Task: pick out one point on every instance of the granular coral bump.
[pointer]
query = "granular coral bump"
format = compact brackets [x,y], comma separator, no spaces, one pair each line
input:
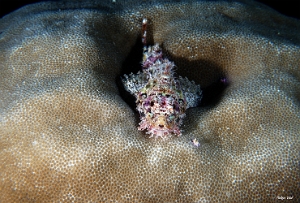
[160,98]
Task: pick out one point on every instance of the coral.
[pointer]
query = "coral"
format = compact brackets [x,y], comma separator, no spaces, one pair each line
[68,131]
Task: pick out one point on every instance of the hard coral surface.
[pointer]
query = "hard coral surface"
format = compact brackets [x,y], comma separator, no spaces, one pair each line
[67,134]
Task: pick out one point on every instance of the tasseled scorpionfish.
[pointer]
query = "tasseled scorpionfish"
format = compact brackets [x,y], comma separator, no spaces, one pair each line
[161,98]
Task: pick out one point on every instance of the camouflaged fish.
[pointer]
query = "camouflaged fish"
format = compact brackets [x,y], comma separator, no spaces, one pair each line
[161,98]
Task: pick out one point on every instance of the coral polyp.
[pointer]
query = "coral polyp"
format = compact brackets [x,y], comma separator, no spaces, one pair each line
[161,98]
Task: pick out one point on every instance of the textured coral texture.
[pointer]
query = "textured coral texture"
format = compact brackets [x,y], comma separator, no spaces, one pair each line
[68,133]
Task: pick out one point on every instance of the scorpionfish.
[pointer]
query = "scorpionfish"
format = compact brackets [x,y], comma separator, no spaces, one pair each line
[161,98]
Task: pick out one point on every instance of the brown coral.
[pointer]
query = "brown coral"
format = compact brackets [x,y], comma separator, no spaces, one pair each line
[66,133]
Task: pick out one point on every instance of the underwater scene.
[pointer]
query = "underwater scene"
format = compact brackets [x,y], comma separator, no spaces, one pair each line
[149,101]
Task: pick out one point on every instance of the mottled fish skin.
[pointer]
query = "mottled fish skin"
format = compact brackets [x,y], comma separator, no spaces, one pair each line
[162,99]
[191,91]
[133,83]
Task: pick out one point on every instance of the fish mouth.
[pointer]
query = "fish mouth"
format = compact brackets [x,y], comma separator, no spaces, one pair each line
[160,132]
[158,126]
